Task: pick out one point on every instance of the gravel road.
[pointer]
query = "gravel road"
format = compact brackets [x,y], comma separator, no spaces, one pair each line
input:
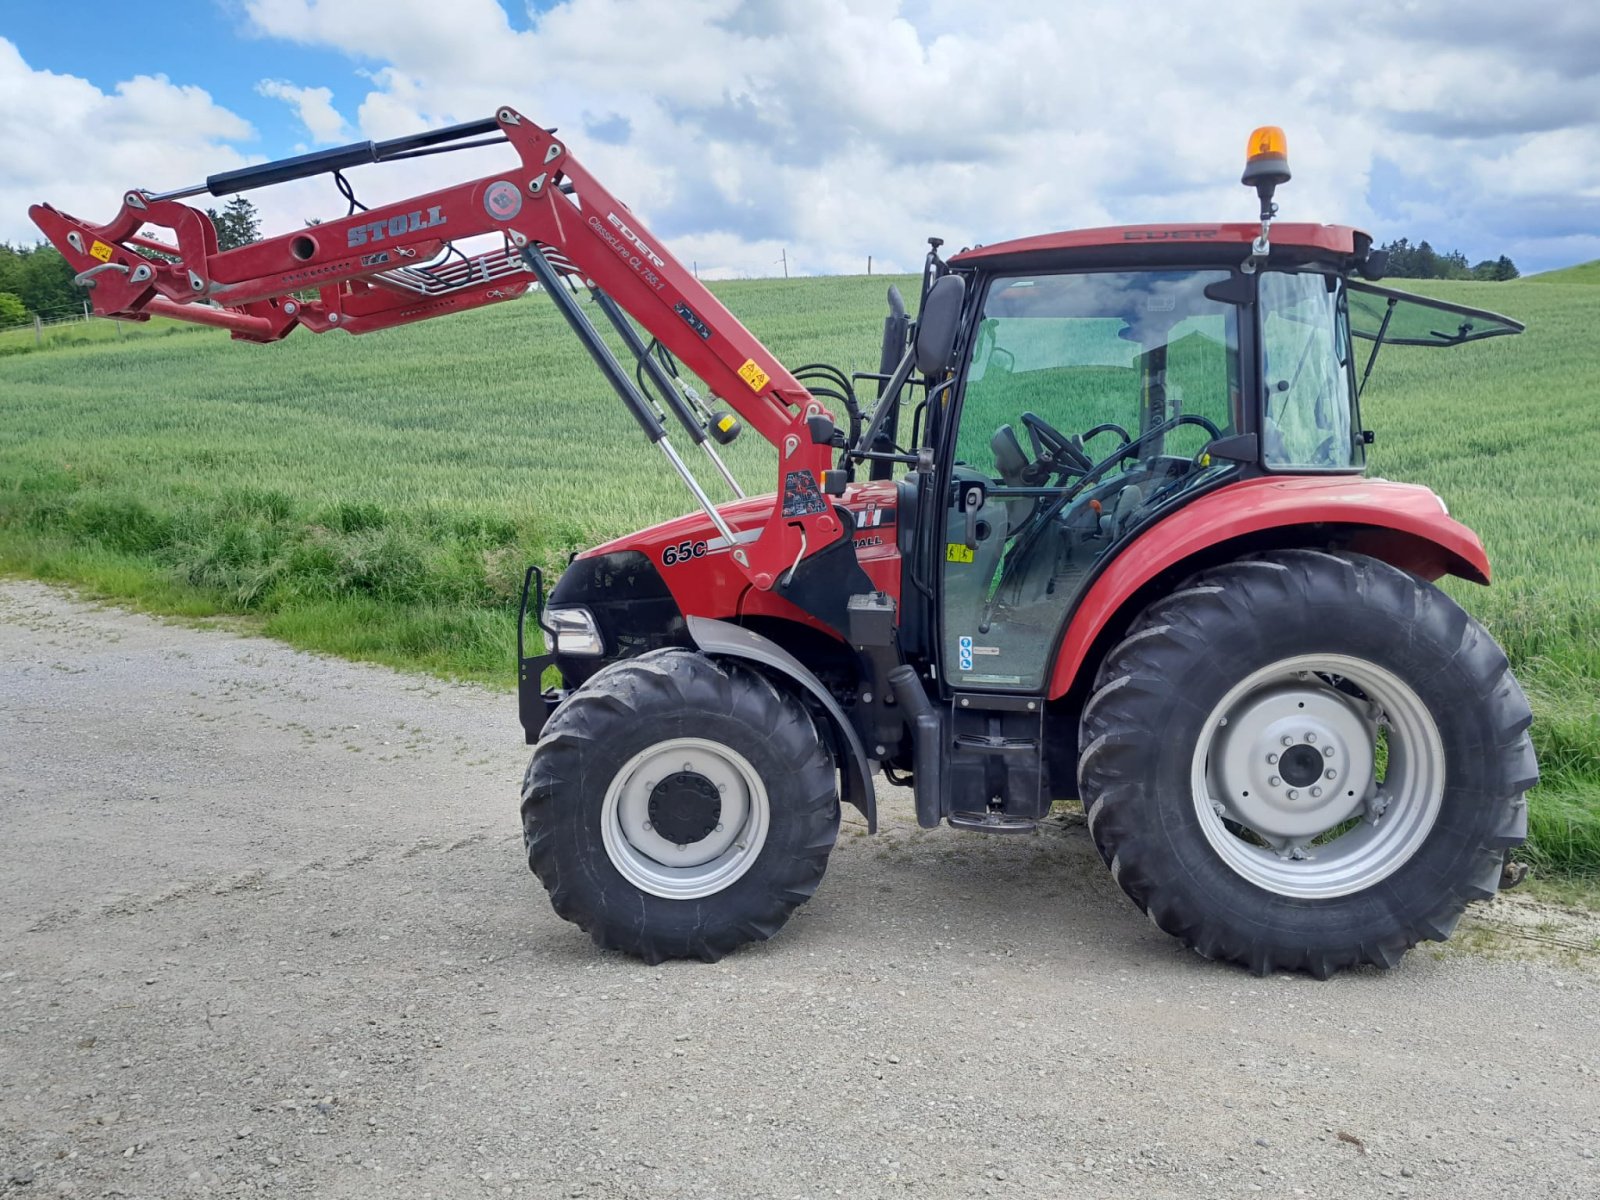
[267,929]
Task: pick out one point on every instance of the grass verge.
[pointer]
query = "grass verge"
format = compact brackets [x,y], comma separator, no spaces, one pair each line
[431,591]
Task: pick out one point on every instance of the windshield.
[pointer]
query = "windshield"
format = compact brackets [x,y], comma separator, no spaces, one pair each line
[1308,387]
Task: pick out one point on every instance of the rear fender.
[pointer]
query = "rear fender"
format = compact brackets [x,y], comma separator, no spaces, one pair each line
[1400,523]
[721,639]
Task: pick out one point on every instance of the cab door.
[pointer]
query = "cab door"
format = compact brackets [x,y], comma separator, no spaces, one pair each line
[1089,402]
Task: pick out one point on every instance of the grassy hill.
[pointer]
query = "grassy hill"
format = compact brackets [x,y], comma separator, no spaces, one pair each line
[377,497]
[1588,272]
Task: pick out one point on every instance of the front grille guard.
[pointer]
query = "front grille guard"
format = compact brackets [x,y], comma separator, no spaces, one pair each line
[534,703]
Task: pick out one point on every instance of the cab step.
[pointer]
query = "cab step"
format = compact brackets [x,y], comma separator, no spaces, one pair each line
[979,743]
[991,822]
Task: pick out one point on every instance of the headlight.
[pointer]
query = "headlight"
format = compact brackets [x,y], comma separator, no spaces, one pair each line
[573,631]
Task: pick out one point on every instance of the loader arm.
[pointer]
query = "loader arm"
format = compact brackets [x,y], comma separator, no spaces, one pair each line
[379,268]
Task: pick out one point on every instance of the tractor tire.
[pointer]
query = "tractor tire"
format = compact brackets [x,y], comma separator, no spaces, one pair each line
[678,807]
[1306,761]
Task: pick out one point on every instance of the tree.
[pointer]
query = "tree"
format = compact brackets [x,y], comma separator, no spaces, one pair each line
[1499,269]
[1424,262]
[1421,261]
[40,278]
[12,310]
[238,224]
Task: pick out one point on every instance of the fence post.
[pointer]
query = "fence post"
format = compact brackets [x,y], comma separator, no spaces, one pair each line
[38,331]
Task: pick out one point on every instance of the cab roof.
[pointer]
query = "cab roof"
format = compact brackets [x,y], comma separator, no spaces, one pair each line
[1139,241]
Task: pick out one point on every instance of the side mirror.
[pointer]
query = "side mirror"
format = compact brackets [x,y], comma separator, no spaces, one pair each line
[937,322]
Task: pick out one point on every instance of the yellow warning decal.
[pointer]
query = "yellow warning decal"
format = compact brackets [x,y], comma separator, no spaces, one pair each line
[101,251]
[956,552]
[725,424]
[753,375]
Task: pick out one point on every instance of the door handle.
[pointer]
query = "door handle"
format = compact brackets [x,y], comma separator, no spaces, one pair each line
[972,501]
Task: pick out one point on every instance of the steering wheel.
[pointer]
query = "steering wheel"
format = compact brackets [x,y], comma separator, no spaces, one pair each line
[1053,449]
[1020,553]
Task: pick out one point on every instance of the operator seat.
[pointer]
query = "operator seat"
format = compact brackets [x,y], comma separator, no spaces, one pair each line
[1010,461]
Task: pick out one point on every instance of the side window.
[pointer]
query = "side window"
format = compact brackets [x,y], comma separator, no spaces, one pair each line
[1308,390]
[1073,371]
[1127,349]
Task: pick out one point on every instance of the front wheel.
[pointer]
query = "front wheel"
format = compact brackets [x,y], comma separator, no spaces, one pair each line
[677,807]
[1306,761]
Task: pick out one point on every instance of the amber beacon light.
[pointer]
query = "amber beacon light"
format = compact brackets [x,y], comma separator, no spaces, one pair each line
[1266,158]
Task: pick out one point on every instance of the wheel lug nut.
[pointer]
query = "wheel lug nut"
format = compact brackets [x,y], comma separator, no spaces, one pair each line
[1330,774]
[1327,752]
[1272,758]
[1311,737]
[1315,792]
[1293,795]
[1274,781]
[1287,740]
[719,826]
[647,825]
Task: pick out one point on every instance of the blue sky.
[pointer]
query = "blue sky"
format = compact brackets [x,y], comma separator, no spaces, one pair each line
[834,129]
[191,42]
[212,44]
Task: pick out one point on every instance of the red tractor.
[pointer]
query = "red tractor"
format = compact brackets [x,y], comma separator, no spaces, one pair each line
[1104,532]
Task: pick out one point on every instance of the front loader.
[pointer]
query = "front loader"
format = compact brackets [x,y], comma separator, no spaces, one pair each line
[1102,531]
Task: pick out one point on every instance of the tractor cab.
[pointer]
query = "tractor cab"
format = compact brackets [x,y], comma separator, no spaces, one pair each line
[1108,377]
[1101,379]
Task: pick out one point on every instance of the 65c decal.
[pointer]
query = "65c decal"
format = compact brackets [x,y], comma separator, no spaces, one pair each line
[682,553]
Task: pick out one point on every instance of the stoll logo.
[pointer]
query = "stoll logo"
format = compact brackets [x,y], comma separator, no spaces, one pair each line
[633,237]
[395,227]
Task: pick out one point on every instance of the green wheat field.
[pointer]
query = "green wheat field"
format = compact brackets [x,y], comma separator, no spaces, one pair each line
[378,497]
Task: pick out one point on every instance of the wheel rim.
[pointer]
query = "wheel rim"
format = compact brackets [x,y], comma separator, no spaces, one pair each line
[692,789]
[1318,776]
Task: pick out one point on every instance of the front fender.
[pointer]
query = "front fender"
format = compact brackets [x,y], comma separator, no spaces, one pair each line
[1401,523]
[722,639]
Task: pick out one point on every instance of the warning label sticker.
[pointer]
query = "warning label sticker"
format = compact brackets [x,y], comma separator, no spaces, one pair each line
[801,495]
[753,375]
[101,251]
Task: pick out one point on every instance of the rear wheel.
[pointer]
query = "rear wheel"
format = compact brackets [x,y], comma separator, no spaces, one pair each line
[677,807]
[1306,761]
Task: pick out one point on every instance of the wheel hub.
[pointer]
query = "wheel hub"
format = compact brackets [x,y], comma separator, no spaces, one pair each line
[1300,765]
[685,807]
[1294,760]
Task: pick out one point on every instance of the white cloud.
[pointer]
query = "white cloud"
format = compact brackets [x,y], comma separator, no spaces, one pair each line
[69,144]
[313,105]
[842,128]
[836,129]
